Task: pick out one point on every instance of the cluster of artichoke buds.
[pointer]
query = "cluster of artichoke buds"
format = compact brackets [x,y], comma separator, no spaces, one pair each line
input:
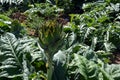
[51,37]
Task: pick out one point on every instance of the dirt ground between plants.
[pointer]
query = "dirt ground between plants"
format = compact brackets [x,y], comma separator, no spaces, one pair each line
[116,58]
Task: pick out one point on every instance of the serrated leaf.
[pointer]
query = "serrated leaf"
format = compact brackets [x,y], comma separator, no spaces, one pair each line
[12,51]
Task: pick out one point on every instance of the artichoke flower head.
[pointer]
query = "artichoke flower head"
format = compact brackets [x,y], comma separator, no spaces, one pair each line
[51,36]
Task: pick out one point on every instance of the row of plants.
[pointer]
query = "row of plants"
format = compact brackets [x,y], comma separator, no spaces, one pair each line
[39,43]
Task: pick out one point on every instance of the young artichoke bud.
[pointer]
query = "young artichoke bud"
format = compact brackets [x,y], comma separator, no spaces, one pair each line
[51,37]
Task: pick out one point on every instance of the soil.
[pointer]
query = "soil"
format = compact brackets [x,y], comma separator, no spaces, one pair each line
[116,58]
[18,16]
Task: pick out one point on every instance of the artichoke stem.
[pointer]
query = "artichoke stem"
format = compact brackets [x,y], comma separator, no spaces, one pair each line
[50,69]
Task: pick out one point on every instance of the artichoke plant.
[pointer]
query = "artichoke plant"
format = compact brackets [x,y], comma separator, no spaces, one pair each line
[51,38]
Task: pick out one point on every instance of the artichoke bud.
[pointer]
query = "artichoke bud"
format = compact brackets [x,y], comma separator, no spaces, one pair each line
[51,36]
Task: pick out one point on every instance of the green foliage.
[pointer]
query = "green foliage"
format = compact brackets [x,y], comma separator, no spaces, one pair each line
[4,24]
[88,70]
[69,5]
[16,56]
[44,10]
[38,76]
[80,50]
[97,21]
[17,29]
[9,25]
[5,18]
[59,66]
[11,1]
[65,4]
[13,57]
[14,1]
[112,1]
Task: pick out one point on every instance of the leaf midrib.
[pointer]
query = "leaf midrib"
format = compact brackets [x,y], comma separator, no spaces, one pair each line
[13,51]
